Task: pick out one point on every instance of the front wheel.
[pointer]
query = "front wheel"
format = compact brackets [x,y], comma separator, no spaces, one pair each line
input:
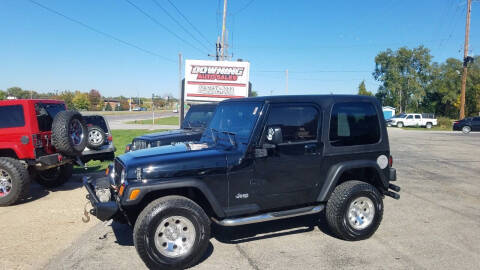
[56,176]
[354,210]
[172,232]
[400,124]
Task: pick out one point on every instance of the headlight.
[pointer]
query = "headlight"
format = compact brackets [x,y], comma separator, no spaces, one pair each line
[122,177]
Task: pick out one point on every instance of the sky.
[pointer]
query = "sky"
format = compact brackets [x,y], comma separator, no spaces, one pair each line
[131,47]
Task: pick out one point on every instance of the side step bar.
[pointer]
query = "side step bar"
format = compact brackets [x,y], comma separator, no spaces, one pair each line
[270,216]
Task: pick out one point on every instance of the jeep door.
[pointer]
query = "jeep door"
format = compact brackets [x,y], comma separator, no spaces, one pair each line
[476,124]
[287,174]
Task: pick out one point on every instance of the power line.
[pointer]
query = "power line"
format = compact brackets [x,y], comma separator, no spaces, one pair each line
[163,26]
[314,71]
[243,8]
[188,21]
[179,24]
[91,28]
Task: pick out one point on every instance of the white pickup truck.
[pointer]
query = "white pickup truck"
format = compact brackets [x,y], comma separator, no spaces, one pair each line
[413,120]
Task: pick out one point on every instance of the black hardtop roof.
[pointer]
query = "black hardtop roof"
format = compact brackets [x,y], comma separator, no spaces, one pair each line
[204,105]
[321,99]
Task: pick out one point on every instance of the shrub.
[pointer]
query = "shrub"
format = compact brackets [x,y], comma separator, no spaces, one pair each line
[444,122]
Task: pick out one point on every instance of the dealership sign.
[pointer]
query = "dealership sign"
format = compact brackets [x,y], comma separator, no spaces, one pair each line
[216,80]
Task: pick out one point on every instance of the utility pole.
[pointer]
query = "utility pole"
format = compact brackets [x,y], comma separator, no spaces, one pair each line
[465,62]
[223,29]
[153,112]
[182,98]
[286,81]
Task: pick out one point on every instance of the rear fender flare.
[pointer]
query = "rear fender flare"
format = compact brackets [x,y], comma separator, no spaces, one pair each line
[336,171]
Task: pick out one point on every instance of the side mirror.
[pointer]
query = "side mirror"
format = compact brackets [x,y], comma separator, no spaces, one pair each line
[274,135]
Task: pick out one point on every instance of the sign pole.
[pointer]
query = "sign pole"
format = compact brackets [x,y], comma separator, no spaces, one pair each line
[182,98]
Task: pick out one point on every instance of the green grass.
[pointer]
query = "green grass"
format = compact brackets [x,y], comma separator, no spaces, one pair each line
[121,138]
[172,120]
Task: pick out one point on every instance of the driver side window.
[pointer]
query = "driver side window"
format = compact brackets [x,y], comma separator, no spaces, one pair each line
[297,122]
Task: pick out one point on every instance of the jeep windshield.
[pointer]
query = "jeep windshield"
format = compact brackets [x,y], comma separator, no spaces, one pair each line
[198,117]
[232,123]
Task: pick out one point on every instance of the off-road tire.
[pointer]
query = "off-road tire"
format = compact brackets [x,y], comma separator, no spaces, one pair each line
[61,138]
[466,129]
[20,180]
[59,176]
[150,218]
[400,124]
[339,202]
[92,144]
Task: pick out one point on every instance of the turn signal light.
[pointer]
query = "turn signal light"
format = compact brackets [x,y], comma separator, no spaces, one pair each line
[122,189]
[134,194]
[390,161]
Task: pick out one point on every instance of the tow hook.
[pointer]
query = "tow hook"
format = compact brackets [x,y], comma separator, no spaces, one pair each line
[86,217]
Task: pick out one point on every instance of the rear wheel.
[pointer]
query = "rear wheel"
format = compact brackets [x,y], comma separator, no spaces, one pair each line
[354,210]
[171,233]
[14,181]
[55,177]
[466,129]
[429,125]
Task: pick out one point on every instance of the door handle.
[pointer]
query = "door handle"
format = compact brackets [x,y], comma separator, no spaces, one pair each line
[311,148]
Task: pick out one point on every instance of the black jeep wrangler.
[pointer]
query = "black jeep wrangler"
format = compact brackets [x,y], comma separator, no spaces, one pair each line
[260,159]
[197,119]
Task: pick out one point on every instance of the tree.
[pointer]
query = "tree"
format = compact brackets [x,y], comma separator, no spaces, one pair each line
[108,107]
[124,105]
[253,93]
[404,75]
[95,98]
[362,90]
[67,97]
[3,95]
[80,101]
[18,93]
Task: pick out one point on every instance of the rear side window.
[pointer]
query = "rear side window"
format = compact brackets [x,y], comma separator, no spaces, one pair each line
[417,116]
[298,122]
[354,123]
[11,116]
[96,120]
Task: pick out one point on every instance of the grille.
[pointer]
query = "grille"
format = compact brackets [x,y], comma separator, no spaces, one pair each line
[118,171]
[139,144]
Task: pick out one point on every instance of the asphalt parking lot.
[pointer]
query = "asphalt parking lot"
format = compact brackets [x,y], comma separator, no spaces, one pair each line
[435,224]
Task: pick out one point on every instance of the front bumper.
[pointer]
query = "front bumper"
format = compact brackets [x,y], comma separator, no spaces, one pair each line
[102,210]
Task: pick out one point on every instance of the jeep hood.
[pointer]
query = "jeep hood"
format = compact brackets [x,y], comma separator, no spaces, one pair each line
[181,159]
[170,134]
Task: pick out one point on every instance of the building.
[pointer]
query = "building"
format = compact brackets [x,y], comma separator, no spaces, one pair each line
[388,112]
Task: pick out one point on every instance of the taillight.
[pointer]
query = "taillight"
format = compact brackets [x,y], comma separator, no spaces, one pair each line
[110,138]
[390,161]
[37,140]
[456,122]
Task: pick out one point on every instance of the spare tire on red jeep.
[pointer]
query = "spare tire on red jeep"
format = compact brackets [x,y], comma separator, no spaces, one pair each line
[69,133]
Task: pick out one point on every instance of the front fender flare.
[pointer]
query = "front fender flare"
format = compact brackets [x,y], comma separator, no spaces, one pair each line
[338,169]
[146,188]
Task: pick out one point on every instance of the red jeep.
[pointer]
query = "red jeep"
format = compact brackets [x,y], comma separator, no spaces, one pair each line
[39,139]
